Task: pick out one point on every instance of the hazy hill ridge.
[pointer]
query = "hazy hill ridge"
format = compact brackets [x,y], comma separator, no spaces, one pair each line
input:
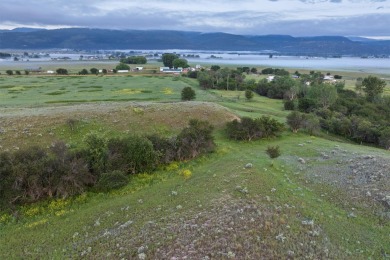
[100,39]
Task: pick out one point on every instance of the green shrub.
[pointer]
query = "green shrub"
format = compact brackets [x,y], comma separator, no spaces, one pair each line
[188,94]
[250,129]
[111,180]
[249,94]
[195,139]
[95,153]
[289,105]
[166,148]
[273,151]
[131,155]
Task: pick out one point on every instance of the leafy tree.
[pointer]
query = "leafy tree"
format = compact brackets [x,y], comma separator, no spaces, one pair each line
[192,74]
[384,139]
[180,63]
[311,123]
[249,94]
[62,71]
[324,95]
[289,104]
[254,70]
[373,87]
[17,72]
[339,86]
[9,72]
[306,104]
[205,80]
[26,72]
[94,71]
[249,84]
[359,85]
[281,72]
[268,71]
[83,72]
[122,66]
[215,67]
[104,71]
[188,94]
[168,58]
[295,121]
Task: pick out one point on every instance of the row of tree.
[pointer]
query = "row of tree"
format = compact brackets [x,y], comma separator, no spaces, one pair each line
[134,60]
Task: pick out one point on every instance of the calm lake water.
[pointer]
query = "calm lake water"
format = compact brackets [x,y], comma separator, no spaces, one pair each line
[369,65]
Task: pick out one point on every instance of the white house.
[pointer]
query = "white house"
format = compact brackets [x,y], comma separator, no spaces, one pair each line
[139,68]
[123,71]
[270,78]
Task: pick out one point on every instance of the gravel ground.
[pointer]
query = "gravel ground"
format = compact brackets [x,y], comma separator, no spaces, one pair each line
[362,178]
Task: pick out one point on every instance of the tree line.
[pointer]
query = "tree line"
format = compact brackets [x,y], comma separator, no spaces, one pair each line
[362,115]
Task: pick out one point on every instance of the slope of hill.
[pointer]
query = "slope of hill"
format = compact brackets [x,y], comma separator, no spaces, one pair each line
[320,199]
[83,38]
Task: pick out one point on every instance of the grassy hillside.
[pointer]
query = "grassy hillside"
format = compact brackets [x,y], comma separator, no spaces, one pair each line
[320,199]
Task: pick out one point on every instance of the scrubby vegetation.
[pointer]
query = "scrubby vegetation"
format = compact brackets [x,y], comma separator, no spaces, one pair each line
[251,129]
[35,173]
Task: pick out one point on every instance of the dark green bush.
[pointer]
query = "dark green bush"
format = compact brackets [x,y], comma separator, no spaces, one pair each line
[250,129]
[195,139]
[289,104]
[111,180]
[166,148]
[249,94]
[95,153]
[273,151]
[188,94]
[131,155]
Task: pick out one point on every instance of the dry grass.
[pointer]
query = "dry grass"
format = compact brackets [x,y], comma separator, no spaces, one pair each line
[22,127]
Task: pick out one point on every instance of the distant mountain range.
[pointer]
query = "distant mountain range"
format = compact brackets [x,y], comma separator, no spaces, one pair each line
[103,39]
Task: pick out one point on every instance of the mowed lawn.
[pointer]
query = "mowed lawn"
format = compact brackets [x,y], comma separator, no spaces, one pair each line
[40,90]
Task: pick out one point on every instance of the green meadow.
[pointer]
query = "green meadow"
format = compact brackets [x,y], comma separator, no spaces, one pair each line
[213,207]
[41,90]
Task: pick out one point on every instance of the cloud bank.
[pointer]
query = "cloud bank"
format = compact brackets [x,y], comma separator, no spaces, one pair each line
[294,17]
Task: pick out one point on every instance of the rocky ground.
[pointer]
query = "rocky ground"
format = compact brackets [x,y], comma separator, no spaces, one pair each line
[363,179]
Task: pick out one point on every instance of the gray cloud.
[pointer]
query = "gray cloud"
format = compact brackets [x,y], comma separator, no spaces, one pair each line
[295,17]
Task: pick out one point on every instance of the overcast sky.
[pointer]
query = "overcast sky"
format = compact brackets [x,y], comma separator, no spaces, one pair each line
[254,17]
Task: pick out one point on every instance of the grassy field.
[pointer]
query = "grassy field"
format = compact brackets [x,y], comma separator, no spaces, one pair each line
[277,209]
[40,90]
